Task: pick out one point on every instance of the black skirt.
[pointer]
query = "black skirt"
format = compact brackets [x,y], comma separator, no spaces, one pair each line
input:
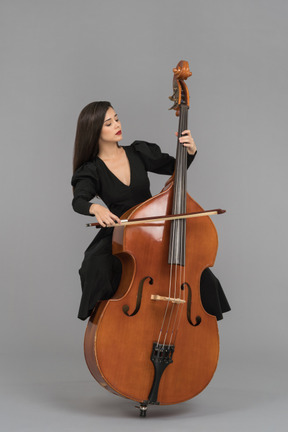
[100,275]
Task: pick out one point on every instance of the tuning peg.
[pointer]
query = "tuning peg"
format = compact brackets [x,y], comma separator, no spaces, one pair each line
[174,106]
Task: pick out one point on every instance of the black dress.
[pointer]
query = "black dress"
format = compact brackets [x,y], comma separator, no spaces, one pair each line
[100,272]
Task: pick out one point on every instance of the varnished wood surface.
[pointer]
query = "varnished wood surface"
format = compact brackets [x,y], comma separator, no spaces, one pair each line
[118,347]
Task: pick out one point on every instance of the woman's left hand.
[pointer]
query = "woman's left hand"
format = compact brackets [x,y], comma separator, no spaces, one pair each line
[187,141]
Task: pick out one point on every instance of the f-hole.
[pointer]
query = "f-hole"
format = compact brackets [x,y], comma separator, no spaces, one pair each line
[189,302]
[125,308]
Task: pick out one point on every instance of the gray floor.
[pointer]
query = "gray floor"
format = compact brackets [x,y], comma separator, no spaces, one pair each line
[55,392]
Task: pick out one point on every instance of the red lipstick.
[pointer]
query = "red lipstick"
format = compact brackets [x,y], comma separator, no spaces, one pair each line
[119,133]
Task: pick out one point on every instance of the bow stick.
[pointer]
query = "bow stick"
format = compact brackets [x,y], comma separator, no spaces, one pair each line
[139,221]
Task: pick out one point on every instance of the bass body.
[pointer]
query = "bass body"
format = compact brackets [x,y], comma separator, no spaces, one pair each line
[122,331]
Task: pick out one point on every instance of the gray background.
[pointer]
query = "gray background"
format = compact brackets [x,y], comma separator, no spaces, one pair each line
[56,57]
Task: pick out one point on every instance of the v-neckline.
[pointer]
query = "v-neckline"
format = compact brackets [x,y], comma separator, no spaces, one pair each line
[130,169]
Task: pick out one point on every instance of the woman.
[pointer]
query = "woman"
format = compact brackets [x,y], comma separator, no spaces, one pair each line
[118,175]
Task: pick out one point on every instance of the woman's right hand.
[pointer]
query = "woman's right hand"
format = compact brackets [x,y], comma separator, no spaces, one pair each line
[103,215]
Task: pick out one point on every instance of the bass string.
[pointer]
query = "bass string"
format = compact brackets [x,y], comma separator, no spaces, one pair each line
[177,278]
[167,318]
[182,276]
[181,228]
[180,308]
[168,302]
[172,290]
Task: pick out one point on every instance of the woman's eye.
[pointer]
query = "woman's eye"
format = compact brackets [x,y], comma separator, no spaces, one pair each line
[108,124]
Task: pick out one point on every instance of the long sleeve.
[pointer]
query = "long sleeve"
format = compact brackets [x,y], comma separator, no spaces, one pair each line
[85,184]
[156,161]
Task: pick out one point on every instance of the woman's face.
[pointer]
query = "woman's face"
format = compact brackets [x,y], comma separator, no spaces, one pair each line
[111,129]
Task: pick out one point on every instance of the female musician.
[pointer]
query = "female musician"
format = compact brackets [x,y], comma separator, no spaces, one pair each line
[118,175]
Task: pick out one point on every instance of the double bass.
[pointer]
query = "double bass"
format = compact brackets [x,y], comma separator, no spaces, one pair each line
[153,342]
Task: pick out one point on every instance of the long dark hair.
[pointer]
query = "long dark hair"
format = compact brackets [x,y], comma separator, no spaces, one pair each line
[88,131]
